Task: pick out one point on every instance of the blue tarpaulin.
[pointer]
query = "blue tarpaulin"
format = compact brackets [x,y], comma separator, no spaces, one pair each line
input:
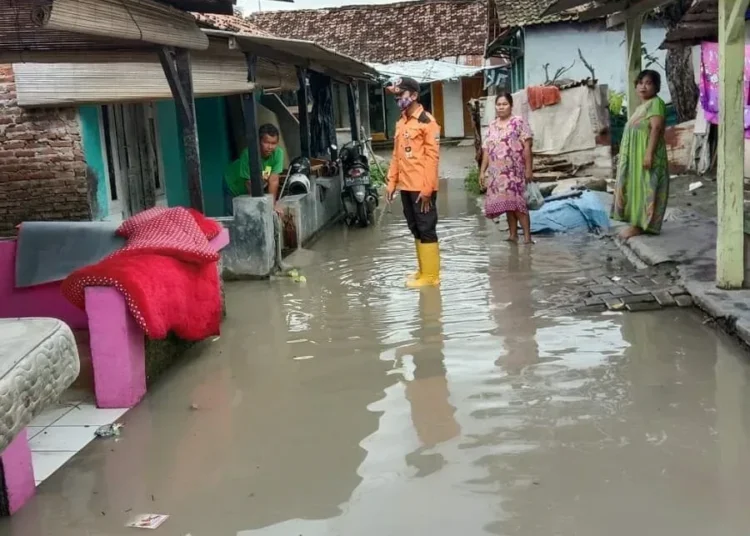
[585,212]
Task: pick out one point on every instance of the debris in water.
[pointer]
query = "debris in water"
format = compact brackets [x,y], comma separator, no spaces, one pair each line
[148,521]
[109,430]
[694,186]
[303,357]
[194,407]
[616,278]
[296,276]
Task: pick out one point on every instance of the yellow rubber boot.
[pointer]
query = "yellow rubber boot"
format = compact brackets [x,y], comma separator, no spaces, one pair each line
[418,273]
[429,254]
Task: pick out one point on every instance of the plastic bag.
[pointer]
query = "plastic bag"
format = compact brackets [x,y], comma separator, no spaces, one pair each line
[533,196]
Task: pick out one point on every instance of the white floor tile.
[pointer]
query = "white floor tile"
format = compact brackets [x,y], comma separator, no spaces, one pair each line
[67,438]
[46,463]
[33,431]
[50,415]
[89,415]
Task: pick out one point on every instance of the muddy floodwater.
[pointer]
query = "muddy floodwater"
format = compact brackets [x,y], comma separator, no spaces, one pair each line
[351,406]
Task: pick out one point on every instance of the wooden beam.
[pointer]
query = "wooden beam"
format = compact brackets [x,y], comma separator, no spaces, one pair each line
[176,65]
[730,265]
[563,5]
[633,44]
[352,91]
[250,112]
[302,113]
[603,10]
[635,9]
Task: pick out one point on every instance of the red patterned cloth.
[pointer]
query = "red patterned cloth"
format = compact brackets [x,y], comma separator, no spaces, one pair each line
[167,273]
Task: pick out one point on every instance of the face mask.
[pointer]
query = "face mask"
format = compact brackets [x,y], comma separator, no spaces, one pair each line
[404,103]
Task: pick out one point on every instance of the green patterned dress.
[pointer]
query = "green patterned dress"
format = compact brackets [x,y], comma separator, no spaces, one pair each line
[641,194]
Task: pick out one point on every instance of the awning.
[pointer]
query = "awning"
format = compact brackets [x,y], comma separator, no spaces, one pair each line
[426,71]
[300,53]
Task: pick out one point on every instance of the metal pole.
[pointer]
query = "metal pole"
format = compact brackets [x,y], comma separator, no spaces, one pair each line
[353,103]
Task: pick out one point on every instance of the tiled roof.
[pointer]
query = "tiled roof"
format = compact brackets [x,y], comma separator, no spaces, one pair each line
[521,13]
[229,23]
[386,33]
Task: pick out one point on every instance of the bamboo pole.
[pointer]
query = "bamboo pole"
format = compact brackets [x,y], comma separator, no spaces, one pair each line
[730,265]
[633,43]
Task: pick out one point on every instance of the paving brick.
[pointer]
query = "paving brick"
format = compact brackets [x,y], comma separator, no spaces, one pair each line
[677,291]
[684,301]
[640,298]
[592,308]
[664,298]
[661,281]
[637,307]
[600,289]
[596,300]
[619,292]
[636,290]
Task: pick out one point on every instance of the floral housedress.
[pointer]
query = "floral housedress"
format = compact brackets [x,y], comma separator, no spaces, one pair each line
[506,173]
[641,194]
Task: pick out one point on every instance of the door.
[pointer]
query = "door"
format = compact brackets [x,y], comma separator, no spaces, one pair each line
[437,105]
[136,173]
[471,88]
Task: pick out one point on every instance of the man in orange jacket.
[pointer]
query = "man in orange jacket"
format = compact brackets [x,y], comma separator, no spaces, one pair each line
[414,171]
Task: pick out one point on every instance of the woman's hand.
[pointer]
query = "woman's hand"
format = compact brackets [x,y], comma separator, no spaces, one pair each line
[647,162]
[529,174]
[483,181]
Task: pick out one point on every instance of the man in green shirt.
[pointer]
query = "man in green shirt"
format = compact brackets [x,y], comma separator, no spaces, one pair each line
[237,176]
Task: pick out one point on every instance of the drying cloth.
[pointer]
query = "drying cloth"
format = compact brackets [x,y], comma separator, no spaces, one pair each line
[585,213]
[541,96]
[167,273]
[51,251]
[709,84]
[566,127]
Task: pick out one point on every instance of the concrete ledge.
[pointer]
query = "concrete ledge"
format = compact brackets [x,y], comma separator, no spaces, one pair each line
[688,240]
[251,251]
[306,215]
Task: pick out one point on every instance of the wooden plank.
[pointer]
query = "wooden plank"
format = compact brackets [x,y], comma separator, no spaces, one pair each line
[135,189]
[353,104]
[303,115]
[603,10]
[730,265]
[177,69]
[634,62]
[147,156]
[250,112]
[637,9]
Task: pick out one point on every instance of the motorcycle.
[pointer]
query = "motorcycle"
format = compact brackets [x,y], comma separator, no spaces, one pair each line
[297,179]
[359,196]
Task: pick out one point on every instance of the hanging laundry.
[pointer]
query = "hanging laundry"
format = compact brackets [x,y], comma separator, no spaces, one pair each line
[709,84]
[541,96]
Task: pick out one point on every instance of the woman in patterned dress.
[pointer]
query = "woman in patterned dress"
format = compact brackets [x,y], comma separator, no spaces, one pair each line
[642,185]
[507,167]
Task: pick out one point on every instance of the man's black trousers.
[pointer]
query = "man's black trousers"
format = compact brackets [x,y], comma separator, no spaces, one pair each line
[423,225]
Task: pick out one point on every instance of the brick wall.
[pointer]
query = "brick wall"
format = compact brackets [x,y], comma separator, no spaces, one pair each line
[42,168]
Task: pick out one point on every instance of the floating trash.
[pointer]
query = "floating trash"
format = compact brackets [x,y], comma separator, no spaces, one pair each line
[109,430]
[147,521]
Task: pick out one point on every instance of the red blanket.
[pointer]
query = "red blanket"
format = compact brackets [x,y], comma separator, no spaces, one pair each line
[167,272]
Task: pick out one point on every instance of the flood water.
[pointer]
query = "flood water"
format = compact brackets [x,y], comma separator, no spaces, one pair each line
[350,405]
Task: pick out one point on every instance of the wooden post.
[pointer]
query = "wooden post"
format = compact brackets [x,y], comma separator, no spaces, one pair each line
[730,269]
[250,112]
[176,65]
[634,46]
[304,120]
[353,104]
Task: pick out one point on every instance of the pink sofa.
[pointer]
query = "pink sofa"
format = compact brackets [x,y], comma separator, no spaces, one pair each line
[117,342]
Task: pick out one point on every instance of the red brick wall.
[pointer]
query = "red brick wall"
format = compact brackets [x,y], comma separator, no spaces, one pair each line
[42,168]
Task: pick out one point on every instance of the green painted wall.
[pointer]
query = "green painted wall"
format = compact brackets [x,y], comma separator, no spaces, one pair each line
[172,155]
[93,152]
[213,143]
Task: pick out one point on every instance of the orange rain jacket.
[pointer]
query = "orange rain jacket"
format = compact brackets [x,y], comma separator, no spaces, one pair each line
[416,151]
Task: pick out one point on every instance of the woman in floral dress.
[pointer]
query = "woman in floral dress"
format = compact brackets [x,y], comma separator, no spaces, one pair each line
[507,167]
[642,186]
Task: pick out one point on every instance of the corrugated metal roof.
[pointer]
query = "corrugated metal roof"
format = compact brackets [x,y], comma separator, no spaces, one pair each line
[426,71]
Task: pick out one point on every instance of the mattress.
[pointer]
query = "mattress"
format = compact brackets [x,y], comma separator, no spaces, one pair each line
[38,361]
